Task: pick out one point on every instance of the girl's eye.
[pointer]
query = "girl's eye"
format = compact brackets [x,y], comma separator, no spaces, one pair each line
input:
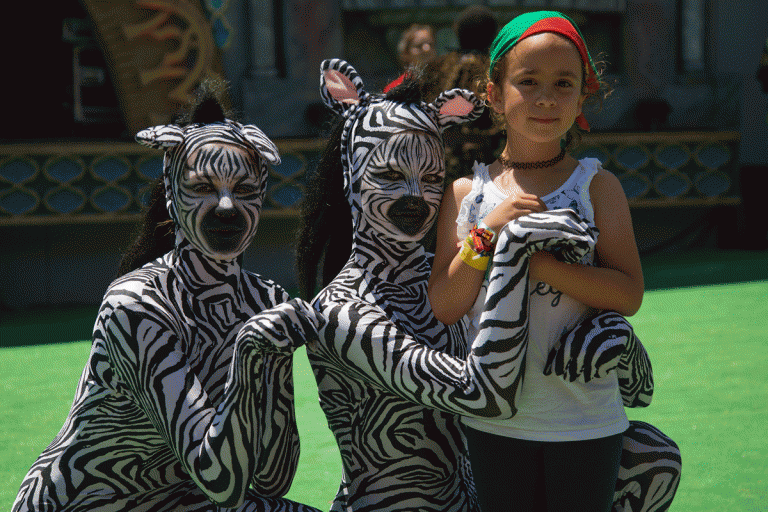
[245,189]
[390,175]
[432,179]
[202,188]
[564,83]
[527,81]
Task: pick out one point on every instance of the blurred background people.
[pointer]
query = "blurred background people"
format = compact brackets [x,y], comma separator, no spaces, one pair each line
[465,66]
[474,28]
[415,49]
[417,46]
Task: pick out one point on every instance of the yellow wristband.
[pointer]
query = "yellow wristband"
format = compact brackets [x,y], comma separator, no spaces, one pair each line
[471,258]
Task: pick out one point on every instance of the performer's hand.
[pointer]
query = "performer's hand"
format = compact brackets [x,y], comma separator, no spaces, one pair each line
[592,349]
[283,328]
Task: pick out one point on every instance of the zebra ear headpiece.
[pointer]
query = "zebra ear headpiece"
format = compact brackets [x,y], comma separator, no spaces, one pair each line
[179,142]
[343,91]
[370,119]
[341,87]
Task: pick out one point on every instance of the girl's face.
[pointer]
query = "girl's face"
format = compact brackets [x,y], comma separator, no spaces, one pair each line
[217,200]
[401,187]
[540,94]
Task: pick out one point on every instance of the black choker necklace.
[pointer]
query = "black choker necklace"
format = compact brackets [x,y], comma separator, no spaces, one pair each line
[532,165]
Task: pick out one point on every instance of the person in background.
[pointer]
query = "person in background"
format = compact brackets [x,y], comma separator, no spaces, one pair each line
[465,67]
[475,28]
[416,48]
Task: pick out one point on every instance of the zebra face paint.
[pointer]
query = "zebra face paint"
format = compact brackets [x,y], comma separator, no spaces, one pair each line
[213,163]
[217,200]
[401,186]
[400,209]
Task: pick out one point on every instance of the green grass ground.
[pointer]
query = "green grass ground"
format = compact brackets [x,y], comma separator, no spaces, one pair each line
[704,322]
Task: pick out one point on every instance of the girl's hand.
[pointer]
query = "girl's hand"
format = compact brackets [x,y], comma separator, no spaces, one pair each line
[615,282]
[513,207]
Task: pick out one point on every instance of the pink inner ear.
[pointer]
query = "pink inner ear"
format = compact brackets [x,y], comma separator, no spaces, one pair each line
[340,87]
[458,106]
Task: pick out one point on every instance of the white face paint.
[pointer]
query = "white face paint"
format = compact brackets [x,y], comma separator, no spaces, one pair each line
[402,186]
[217,200]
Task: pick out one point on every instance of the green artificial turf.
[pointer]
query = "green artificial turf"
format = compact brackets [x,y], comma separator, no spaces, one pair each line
[707,343]
[709,349]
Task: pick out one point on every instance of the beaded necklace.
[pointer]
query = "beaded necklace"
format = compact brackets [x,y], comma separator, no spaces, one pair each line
[508,164]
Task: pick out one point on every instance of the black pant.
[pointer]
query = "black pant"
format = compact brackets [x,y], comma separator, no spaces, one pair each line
[513,475]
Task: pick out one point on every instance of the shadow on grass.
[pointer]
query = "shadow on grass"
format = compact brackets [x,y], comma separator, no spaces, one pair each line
[41,325]
[702,267]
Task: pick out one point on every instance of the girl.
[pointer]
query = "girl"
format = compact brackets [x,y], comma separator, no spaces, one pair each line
[562,449]
[183,404]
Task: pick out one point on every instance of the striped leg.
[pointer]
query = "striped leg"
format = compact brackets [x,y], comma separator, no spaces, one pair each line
[650,470]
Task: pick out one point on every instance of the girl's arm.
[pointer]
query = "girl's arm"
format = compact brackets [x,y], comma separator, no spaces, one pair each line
[454,285]
[616,283]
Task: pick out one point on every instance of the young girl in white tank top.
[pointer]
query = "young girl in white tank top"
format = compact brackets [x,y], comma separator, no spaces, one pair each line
[561,450]
[550,408]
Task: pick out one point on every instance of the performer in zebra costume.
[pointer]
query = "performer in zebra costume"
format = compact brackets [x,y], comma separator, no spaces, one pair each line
[392,379]
[174,410]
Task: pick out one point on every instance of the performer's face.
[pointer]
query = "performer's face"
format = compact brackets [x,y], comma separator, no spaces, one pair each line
[217,200]
[402,185]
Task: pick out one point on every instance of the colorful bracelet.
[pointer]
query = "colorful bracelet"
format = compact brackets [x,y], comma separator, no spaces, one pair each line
[471,257]
[483,239]
[495,236]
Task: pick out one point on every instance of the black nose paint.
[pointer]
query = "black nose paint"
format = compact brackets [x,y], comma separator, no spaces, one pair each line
[224,230]
[408,214]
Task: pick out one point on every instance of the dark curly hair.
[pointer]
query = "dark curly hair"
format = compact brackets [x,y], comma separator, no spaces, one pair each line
[156,235]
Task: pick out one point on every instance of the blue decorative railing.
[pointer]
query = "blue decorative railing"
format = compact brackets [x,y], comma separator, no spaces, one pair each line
[670,169]
[51,183]
[98,182]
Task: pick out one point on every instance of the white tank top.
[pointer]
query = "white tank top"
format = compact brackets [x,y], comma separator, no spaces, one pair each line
[549,409]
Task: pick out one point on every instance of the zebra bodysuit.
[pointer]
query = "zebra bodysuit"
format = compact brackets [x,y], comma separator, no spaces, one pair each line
[174,410]
[392,379]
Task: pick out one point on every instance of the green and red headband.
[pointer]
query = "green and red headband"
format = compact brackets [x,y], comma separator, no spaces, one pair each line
[532,23]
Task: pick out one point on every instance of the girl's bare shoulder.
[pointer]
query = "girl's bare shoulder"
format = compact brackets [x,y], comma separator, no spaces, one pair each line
[460,188]
[605,184]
